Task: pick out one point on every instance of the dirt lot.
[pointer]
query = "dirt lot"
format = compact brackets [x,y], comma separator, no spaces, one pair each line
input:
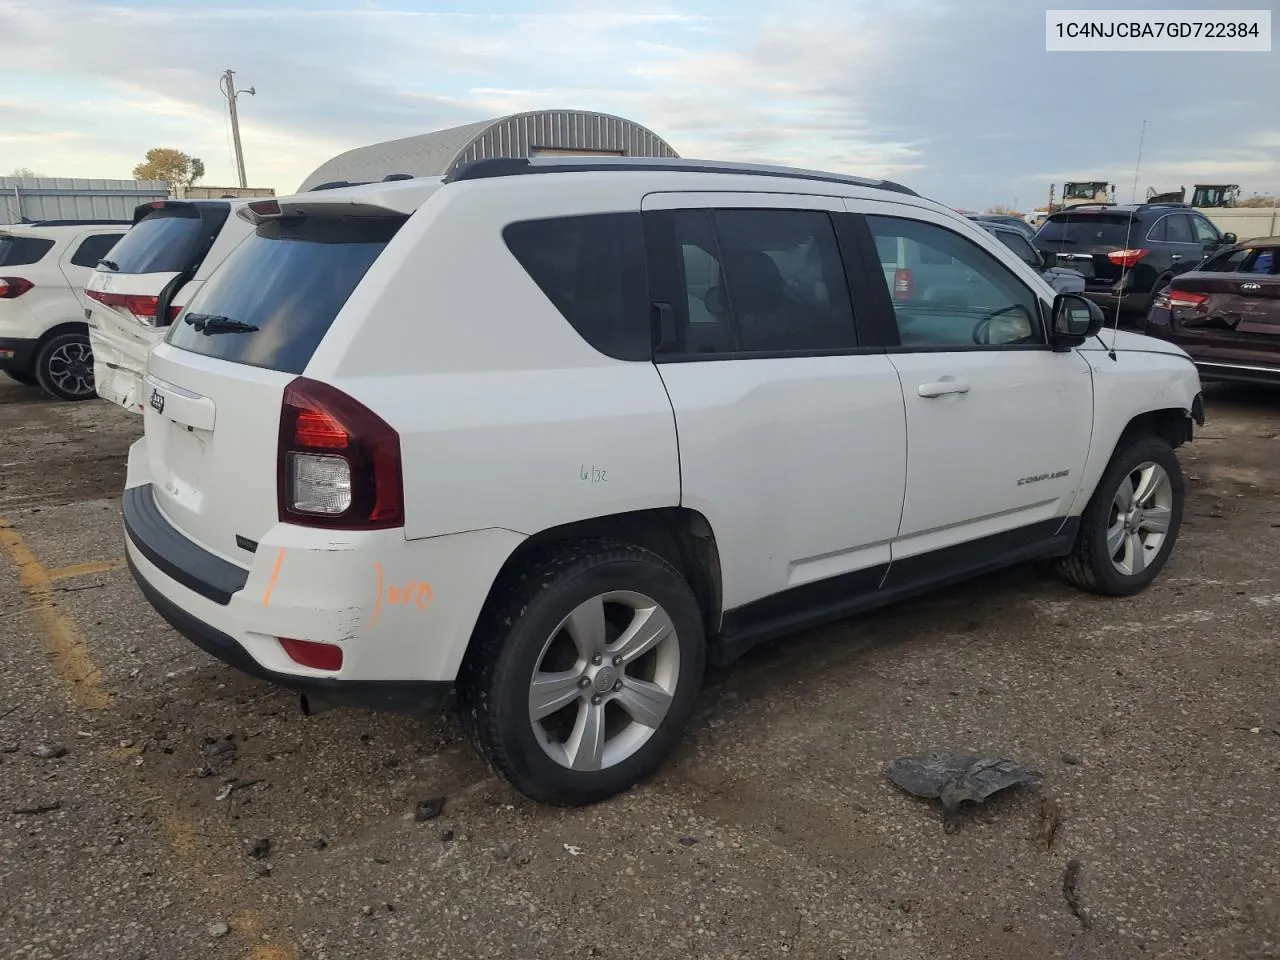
[1156,722]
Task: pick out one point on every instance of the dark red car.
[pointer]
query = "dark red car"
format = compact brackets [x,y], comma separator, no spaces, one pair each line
[1226,313]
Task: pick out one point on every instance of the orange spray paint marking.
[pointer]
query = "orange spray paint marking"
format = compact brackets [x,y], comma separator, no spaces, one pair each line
[414,593]
[275,575]
[377,603]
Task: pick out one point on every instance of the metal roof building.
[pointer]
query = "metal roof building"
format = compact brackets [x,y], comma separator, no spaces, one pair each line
[71,198]
[537,133]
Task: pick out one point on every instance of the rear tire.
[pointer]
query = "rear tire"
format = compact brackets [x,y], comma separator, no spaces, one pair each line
[64,367]
[1128,530]
[539,692]
[22,377]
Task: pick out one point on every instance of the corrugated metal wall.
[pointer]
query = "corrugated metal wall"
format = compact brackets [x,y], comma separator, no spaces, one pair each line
[66,198]
[523,134]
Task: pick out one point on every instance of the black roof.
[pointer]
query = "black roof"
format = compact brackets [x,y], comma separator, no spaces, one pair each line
[1119,208]
[519,166]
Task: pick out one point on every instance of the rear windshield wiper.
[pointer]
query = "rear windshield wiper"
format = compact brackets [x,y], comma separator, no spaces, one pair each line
[110,265]
[210,323]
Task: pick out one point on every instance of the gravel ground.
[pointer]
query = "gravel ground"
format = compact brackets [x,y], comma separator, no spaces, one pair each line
[1155,721]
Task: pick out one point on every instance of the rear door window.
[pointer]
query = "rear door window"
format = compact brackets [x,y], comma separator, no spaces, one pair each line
[274,298]
[172,239]
[20,251]
[761,281]
[1088,230]
[1178,229]
[94,249]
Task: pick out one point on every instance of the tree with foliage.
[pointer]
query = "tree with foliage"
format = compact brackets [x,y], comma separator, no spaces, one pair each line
[25,172]
[1260,200]
[172,166]
[1003,211]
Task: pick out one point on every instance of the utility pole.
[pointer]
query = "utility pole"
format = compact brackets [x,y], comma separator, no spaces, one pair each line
[227,84]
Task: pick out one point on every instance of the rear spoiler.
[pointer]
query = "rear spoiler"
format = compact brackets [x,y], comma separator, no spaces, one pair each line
[151,206]
[384,199]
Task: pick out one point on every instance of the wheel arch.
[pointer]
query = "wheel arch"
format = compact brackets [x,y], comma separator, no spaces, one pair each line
[67,326]
[681,536]
[1172,424]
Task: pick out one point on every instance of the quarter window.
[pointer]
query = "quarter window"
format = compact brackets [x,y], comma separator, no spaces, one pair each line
[949,292]
[760,281]
[592,268]
[94,249]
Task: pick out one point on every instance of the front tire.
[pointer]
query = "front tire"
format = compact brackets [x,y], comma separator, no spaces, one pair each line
[1131,523]
[64,367]
[583,671]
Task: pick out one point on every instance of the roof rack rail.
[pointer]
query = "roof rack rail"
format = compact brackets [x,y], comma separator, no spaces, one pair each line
[1165,203]
[493,167]
[76,223]
[338,185]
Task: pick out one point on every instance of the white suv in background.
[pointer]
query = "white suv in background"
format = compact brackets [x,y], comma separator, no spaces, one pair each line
[43,270]
[560,431]
[138,291]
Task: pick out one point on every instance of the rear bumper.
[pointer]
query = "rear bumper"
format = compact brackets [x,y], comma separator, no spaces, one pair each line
[17,354]
[397,695]
[402,611]
[118,368]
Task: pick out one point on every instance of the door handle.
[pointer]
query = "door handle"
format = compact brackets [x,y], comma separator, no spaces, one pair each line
[1175,256]
[942,388]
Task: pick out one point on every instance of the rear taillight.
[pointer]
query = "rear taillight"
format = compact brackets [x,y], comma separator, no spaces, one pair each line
[1186,298]
[308,653]
[1126,258]
[11,288]
[338,463]
[904,284]
[142,307]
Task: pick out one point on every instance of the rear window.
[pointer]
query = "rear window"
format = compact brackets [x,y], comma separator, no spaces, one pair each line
[169,240]
[592,268]
[289,278]
[17,251]
[1261,260]
[1090,229]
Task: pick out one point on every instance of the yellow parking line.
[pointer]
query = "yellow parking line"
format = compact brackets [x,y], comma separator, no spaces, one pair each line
[71,659]
[84,569]
[82,679]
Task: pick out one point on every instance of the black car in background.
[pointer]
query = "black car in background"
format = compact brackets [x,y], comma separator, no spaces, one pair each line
[1129,252]
[1017,223]
[1061,279]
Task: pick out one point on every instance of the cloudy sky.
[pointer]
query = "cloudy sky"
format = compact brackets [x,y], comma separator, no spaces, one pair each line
[957,98]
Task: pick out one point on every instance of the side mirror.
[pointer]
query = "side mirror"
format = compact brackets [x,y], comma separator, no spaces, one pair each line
[1048,258]
[1230,238]
[1075,320]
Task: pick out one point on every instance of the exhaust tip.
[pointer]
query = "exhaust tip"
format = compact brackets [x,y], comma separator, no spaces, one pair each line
[310,706]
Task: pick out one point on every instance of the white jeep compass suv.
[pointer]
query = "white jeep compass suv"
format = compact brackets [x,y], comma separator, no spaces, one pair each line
[43,270]
[557,432]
